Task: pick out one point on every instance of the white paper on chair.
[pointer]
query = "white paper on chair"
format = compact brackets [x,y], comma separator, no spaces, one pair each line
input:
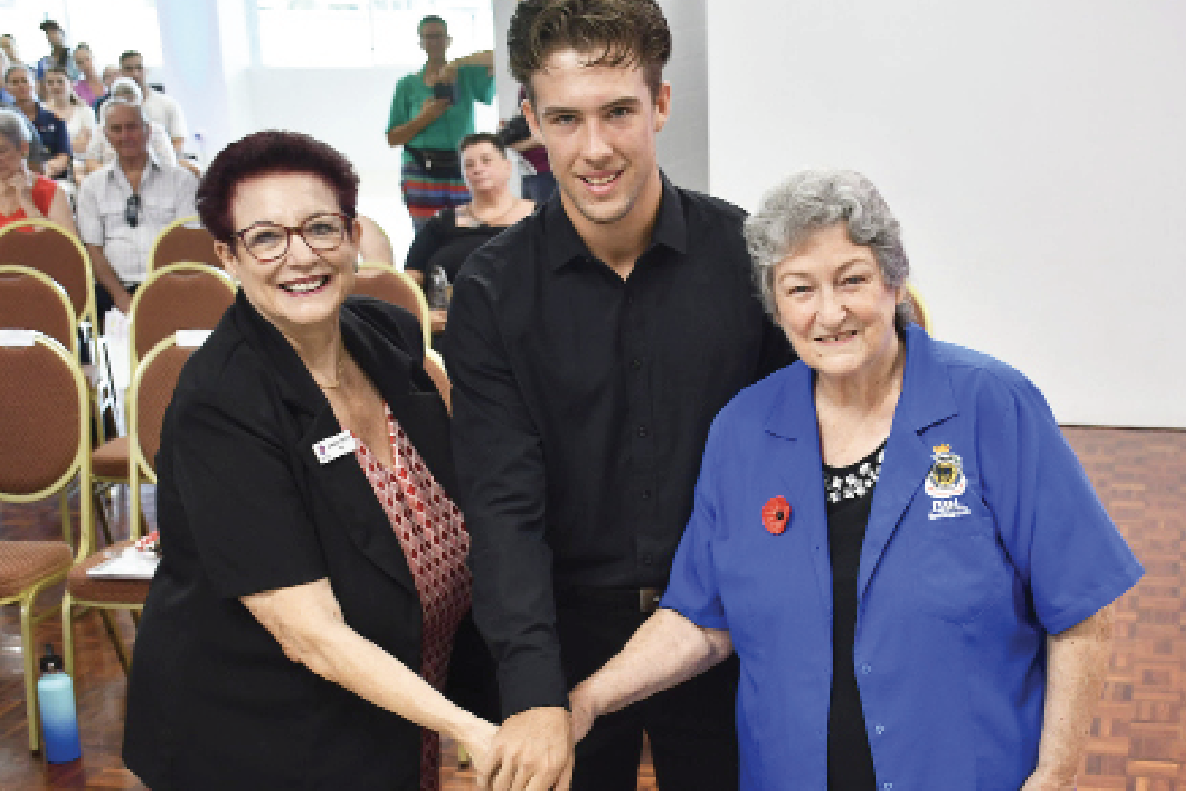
[130,564]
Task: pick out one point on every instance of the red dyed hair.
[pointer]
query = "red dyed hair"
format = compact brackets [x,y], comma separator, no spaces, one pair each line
[265,153]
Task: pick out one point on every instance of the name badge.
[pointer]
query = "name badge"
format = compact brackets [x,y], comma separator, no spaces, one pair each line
[333,447]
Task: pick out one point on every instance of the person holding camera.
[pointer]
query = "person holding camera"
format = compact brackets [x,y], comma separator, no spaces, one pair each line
[431,111]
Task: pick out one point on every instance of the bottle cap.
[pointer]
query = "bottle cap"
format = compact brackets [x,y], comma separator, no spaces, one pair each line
[51,662]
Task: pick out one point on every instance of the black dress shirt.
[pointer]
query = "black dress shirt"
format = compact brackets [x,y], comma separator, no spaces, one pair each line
[582,402]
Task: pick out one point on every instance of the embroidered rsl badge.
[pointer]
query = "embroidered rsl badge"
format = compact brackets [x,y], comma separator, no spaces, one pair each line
[946,476]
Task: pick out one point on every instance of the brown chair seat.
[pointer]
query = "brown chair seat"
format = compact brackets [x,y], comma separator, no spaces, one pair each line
[110,460]
[24,562]
[105,589]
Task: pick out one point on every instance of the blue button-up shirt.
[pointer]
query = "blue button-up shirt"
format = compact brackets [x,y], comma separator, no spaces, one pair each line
[985,536]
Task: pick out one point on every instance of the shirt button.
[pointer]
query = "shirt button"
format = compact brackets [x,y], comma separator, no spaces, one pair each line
[647,559]
[636,364]
[642,431]
[866,668]
[646,494]
[880,729]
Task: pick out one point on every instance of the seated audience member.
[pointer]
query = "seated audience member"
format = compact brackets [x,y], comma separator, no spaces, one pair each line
[159,107]
[89,87]
[126,203]
[110,75]
[59,55]
[66,105]
[6,98]
[374,247]
[100,151]
[448,238]
[25,194]
[50,129]
[8,47]
[307,615]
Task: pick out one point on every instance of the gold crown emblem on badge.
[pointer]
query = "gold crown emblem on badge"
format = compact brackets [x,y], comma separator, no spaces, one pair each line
[944,448]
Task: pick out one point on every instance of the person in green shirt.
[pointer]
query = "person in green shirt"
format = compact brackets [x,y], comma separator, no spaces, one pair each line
[431,111]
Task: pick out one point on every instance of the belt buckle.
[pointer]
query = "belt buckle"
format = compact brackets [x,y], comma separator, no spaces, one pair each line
[648,600]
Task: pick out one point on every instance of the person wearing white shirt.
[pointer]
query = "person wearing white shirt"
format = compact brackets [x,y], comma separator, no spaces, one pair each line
[100,151]
[160,108]
[124,205]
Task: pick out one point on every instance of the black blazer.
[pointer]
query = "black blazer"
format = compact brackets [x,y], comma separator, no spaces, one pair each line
[245,506]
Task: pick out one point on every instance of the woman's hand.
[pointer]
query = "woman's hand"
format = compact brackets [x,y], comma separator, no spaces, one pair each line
[20,183]
[476,739]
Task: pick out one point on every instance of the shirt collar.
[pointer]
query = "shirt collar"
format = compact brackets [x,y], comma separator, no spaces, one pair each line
[564,244]
[118,175]
[926,398]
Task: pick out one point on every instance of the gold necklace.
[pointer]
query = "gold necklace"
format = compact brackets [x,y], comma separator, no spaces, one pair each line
[338,382]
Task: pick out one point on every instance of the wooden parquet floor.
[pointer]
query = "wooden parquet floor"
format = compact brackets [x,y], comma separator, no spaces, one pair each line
[1138,739]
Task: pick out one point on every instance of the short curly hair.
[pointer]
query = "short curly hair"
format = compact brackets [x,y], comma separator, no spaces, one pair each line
[812,200]
[616,32]
[267,153]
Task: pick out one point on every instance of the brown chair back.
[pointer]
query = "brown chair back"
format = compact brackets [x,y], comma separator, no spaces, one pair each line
[31,300]
[178,243]
[390,285]
[922,316]
[51,249]
[44,429]
[156,379]
[177,297]
[435,367]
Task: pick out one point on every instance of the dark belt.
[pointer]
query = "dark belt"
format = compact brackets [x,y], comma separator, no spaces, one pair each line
[642,600]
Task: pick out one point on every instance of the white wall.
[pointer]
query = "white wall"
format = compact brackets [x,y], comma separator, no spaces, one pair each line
[1034,153]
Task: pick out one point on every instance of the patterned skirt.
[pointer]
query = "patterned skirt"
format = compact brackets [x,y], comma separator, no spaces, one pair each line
[427,194]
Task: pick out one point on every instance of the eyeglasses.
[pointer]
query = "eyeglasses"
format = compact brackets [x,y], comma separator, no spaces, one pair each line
[132,211]
[269,241]
[434,36]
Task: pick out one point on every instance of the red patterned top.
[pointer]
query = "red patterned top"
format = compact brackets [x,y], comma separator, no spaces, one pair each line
[432,532]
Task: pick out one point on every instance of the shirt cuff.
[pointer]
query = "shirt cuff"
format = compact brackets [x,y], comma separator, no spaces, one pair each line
[531,682]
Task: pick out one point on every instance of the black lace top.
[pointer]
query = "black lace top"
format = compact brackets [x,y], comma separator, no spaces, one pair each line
[848,492]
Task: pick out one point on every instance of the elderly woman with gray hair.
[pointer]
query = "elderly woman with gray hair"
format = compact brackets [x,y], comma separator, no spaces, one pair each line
[25,194]
[891,533]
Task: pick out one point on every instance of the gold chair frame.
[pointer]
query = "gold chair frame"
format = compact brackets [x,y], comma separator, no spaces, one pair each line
[27,597]
[138,465]
[86,316]
[423,315]
[56,287]
[156,275]
[179,222]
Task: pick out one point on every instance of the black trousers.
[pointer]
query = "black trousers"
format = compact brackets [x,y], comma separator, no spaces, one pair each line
[691,727]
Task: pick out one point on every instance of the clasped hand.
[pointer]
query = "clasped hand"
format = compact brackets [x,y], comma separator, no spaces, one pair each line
[532,751]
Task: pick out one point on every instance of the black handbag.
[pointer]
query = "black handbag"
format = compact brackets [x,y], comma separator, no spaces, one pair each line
[437,162]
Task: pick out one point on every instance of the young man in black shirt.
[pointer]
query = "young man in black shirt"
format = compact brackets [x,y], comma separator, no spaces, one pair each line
[591,345]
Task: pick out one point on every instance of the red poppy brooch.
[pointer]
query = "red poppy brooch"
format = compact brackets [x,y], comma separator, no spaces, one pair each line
[775,514]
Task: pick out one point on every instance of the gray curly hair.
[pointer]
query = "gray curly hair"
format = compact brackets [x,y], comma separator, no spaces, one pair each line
[13,128]
[812,200]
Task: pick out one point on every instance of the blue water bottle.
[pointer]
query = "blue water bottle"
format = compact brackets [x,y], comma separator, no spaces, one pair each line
[59,719]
